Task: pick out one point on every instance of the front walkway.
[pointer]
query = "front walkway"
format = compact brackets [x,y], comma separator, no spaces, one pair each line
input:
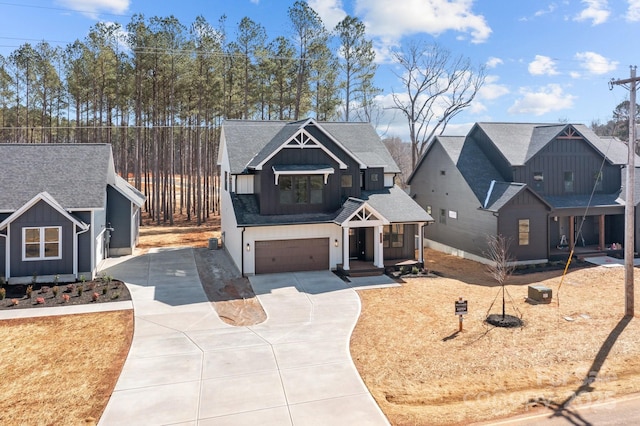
[186,366]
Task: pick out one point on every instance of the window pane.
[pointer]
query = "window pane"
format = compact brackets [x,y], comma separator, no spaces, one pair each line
[51,235]
[347,181]
[523,232]
[286,193]
[51,250]
[397,238]
[32,250]
[317,186]
[300,196]
[32,235]
[386,235]
[568,181]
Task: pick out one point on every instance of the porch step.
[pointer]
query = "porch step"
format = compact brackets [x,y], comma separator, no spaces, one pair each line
[359,271]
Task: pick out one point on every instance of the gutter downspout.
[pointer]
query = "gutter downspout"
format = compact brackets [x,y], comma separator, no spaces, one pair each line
[242,252]
[75,252]
[6,259]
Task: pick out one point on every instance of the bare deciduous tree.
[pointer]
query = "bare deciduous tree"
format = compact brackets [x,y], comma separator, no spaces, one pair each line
[501,266]
[437,87]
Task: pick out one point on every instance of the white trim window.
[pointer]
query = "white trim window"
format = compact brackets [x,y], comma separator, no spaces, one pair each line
[42,243]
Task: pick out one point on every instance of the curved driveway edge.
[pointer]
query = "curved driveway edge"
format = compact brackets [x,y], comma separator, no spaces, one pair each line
[186,366]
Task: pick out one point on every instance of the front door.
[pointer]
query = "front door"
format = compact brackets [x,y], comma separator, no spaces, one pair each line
[357,243]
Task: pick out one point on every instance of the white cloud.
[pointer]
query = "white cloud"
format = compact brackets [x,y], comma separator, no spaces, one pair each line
[398,18]
[550,9]
[491,90]
[93,8]
[331,11]
[493,62]
[633,12]
[596,11]
[595,63]
[546,99]
[542,65]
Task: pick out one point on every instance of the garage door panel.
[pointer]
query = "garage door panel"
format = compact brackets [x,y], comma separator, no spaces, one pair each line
[292,255]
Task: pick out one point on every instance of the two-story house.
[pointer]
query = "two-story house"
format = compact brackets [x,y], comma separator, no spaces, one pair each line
[306,195]
[532,183]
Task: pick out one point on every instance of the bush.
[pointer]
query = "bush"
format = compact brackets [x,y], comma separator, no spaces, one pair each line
[29,291]
[55,290]
[79,290]
[3,293]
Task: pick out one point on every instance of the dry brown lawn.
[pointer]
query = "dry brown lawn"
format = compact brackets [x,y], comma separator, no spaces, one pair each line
[421,371]
[61,370]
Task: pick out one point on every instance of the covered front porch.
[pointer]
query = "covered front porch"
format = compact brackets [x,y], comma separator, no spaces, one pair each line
[599,232]
[371,242]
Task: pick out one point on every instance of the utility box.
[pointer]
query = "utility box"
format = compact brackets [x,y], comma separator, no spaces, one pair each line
[540,293]
[213,244]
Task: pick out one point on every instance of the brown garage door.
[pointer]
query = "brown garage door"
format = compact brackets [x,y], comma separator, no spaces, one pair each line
[292,255]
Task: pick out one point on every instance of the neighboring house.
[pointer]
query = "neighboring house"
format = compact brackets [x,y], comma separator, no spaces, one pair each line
[63,209]
[307,195]
[531,183]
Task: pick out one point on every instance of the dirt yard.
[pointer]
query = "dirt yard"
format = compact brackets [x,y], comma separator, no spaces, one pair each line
[578,349]
[575,350]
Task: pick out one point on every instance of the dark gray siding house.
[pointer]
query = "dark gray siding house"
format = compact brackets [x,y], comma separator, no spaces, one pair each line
[55,204]
[306,195]
[531,183]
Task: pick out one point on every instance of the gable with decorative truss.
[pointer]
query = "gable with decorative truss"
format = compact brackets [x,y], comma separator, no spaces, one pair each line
[569,133]
[365,216]
[302,140]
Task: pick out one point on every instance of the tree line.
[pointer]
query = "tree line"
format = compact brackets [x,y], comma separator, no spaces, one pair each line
[158,90]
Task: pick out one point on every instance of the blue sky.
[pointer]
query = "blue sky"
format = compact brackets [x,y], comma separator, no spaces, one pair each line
[546,60]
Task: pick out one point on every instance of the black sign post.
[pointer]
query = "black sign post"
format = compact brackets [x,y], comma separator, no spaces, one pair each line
[461,309]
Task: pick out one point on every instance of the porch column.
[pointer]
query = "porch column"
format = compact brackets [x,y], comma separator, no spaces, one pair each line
[378,255]
[421,243]
[345,248]
[601,240]
[572,230]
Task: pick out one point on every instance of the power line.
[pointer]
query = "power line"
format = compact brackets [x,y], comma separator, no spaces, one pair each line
[91,12]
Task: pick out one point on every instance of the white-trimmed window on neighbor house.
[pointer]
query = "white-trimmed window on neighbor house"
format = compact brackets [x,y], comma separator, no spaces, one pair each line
[301,189]
[568,181]
[523,232]
[538,180]
[42,243]
[597,181]
[393,235]
[346,181]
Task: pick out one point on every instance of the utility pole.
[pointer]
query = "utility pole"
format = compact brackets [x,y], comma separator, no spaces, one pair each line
[629,208]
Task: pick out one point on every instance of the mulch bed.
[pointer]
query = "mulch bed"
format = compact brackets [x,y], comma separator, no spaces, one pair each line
[43,294]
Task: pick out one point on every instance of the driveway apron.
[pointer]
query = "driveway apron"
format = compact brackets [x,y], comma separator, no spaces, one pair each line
[187,367]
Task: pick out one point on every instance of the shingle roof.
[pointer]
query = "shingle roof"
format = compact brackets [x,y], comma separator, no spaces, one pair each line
[251,142]
[519,142]
[396,205]
[584,200]
[393,203]
[500,193]
[76,175]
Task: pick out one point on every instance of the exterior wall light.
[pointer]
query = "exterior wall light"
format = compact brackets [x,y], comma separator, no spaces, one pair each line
[336,243]
[248,247]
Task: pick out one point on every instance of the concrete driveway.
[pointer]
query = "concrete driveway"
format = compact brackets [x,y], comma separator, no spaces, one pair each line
[187,367]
